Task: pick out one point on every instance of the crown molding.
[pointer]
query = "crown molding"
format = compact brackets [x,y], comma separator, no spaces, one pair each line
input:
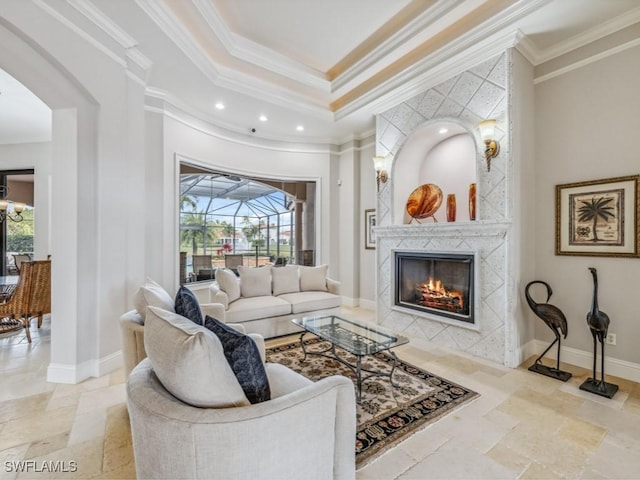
[526,47]
[404,35]
[80,32]
[102,21]
[589,36]
[160,101]
[587,61]
[243,49]
[133,54]
[226,77]
[469,49]
[435,69]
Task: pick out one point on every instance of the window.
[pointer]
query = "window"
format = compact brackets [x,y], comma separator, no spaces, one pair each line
[223,213]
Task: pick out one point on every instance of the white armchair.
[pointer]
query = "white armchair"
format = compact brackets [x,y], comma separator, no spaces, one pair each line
[307,430]
[132,333]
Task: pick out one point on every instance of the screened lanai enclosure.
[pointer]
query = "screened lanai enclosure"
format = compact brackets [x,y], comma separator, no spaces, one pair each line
[227,220]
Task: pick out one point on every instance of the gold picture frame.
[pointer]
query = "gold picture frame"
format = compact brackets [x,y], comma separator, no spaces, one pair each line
[369,223]
[598,218]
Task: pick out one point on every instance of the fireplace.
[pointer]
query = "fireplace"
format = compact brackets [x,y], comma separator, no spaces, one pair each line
[438,284]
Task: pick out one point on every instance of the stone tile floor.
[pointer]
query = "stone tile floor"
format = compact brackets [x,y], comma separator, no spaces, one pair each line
[523,426]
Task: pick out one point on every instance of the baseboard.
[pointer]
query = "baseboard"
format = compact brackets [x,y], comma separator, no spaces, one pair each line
[349,302]
[367,304]
[72,374]
[580,358]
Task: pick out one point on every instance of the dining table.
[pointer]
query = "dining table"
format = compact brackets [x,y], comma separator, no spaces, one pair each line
[7,286]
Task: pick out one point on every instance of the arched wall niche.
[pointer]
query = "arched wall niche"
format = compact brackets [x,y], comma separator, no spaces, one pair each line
[443,152]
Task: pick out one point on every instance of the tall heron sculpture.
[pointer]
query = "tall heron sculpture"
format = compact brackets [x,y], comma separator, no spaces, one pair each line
[598,322]
[553,317]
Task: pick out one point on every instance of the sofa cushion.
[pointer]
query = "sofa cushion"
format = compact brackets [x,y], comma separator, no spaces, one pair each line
[285,280]
[245,309]
[255,281]
[188,306]
[313,278]
[244,358]
[152,294]
[309,301]
[189,361]
[228,283]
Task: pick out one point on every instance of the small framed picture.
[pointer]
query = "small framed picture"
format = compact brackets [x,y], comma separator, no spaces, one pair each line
[598,218]
[369,223]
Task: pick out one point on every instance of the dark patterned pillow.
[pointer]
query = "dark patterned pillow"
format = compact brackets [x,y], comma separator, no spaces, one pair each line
[188,306]
[244,358]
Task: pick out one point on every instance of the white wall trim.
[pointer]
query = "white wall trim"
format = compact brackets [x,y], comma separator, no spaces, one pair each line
[162,102]
[73,374]
[367,304]
[613,366]
[584,38]
[587,61]
[350,302]
[142,61]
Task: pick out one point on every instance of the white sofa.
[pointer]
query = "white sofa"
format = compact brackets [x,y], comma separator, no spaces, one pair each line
[265,299]
[306,430]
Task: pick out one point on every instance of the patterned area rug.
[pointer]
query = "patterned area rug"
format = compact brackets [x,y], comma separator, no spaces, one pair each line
[386,415]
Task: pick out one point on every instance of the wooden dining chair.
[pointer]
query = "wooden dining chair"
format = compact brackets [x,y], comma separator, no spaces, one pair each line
[39,300]
[15,309]
[32,296]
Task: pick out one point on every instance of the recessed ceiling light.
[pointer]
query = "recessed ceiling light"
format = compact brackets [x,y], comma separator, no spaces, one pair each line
[220,106]
[443,130]
[263,118]
[300,128]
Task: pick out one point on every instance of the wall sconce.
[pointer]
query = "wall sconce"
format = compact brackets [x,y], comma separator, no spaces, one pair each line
[5,205]
[492,147]
[381,173]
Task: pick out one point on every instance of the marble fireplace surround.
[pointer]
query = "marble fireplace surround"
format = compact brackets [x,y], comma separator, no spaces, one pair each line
[481,92]
[487,240]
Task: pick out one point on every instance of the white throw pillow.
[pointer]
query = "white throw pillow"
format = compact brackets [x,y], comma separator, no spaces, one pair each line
[189,361]
[151,294]
[313,278]
[228,283]
[285,280]
[255,281]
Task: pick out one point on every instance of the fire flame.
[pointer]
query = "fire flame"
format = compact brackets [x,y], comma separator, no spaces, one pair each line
[434,289]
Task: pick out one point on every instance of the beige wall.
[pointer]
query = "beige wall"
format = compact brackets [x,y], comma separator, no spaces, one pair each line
[587,127]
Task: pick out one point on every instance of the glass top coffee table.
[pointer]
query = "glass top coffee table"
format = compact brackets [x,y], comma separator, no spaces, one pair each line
[358,338]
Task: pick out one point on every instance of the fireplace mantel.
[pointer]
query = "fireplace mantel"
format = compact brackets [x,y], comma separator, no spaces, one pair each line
[487,228]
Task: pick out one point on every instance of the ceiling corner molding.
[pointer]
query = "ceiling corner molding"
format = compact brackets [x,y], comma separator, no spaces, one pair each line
[587,61]
[164,103]
[102,21]
[225,77]
[80,32]
[410,31]
[93,13]
[439,67]
[469,49]
[596,33]
[247,51]
[526,47]
[158,13]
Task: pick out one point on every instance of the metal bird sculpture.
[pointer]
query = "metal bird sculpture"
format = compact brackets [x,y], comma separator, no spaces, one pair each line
[598,322]
[553,317]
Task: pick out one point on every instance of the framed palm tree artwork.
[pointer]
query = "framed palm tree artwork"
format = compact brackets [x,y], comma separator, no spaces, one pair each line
[598,217]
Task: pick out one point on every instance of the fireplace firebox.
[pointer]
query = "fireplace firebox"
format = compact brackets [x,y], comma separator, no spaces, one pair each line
[435,283]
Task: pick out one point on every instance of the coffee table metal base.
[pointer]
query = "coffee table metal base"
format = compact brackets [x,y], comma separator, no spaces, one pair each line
[356,368]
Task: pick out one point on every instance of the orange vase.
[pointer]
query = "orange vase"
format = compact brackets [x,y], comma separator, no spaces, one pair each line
[451,207]
[472,201]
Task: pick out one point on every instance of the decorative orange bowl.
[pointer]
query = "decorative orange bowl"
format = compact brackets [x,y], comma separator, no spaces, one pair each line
[424,201]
